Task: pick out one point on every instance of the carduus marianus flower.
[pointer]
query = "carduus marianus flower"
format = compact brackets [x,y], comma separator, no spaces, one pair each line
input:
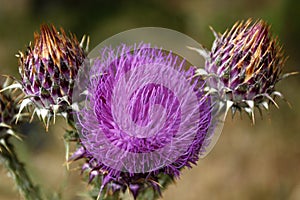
[244,65]
[145,116]
[48,69]
[9,110]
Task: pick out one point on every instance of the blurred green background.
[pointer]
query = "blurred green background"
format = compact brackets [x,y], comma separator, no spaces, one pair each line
[248,162]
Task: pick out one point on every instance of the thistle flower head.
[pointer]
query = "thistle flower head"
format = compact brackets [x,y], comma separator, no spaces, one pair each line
[247,62]
[48,69]
[9,110]
[144,115]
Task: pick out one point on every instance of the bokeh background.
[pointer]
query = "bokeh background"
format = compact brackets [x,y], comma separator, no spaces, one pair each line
[248,162]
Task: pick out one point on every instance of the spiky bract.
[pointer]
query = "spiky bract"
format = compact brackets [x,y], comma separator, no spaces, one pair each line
[9,110]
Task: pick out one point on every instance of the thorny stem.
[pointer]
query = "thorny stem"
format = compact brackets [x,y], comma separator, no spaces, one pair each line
[18,172]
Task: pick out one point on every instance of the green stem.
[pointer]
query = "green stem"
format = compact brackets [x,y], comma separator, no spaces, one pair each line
[18,172]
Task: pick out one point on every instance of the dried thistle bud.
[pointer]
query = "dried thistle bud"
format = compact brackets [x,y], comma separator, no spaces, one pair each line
[48,69]
[245,64]
[9,110]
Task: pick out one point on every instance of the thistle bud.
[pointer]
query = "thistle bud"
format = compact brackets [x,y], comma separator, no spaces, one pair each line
[48,69]
[245,64]
[9,110]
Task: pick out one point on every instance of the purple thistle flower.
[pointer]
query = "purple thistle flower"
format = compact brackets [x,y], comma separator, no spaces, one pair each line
[145,114]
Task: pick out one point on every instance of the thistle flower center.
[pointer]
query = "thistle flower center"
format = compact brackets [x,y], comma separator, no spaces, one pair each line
[152,117]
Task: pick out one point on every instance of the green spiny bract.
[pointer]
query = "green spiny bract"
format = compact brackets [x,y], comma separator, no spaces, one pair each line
[9,110]
[244,66]
[48,70]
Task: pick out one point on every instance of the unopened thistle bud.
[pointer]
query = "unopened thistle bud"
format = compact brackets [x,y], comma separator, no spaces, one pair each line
[9,110]
[244,65]
[48,69]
